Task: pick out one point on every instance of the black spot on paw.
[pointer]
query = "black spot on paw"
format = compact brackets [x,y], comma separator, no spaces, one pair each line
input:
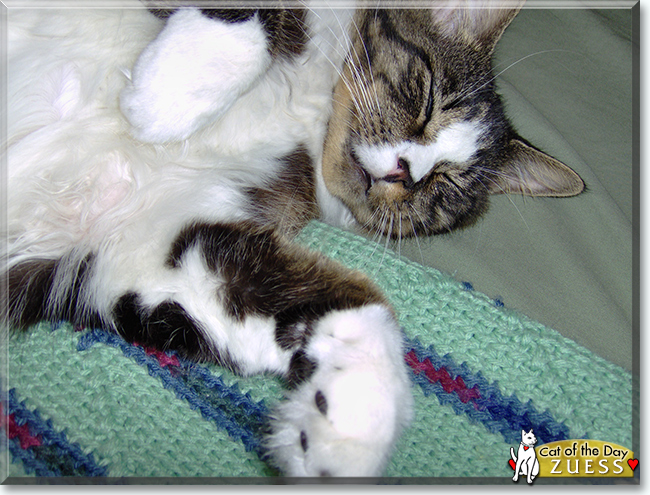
[303,441]
[325,474]
[300,369]
[321,403]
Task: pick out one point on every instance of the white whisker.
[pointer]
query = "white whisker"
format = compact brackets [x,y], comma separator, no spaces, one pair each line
[415,233]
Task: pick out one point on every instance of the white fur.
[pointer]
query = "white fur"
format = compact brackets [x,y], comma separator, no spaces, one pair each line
[333,211]
[76,174]
[191,74]
[455,144]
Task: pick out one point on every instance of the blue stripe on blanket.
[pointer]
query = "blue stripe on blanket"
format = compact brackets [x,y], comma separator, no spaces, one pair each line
[236,413]
[481,401]
[42,449]
[243,418]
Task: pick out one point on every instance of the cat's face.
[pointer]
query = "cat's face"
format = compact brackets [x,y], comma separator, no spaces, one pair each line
[528,438]
[418,139]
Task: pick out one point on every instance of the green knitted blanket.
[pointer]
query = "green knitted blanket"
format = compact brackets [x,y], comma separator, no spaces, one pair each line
[83,402]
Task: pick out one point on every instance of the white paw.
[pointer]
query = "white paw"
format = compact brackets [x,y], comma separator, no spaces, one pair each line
[191,74]
[345,419]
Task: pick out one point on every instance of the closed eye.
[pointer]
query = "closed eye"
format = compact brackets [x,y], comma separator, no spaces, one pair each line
[428,112]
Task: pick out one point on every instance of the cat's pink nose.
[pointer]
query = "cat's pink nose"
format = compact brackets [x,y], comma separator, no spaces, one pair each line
[401,173]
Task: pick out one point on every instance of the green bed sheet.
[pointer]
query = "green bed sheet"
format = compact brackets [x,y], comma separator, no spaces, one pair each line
[567,79]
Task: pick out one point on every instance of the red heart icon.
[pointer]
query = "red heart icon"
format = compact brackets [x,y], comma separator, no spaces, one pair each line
[513,465]
[633,463]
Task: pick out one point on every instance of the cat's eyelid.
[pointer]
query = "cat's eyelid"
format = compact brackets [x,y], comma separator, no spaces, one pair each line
[428,113]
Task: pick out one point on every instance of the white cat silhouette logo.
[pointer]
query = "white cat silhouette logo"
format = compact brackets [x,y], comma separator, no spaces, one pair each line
[525,462]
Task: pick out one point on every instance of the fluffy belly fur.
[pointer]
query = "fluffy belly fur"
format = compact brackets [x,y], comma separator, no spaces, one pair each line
[76,169]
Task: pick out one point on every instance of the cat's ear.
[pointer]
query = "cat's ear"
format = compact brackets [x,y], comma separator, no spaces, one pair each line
[532,172]
[481,21]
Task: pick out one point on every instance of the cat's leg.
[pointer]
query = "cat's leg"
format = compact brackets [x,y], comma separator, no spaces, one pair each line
[262,304]
[191,74]
[198,66]
[244,297]
[535,468]
[519,468]
[532,469]
[526,470]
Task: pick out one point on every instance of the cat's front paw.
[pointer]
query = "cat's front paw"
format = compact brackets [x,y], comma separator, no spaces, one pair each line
[191,74]
[346,417]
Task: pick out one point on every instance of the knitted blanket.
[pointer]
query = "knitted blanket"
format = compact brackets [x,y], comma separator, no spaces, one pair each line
[83,402]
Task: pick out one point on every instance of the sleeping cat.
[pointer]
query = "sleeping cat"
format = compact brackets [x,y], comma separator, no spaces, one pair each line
[161,160]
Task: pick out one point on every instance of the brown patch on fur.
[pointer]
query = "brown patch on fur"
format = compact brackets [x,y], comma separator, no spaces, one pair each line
[286,30]
[165,327]
[336,170]
[49,289]
[266,275]
[30,284]
[301,368]
[289,201]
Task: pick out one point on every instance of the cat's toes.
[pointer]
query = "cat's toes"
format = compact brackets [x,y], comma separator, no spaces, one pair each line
[345,419]
[191,74]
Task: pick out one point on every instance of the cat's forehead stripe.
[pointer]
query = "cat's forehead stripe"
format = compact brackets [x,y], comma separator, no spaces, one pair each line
[456,143]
